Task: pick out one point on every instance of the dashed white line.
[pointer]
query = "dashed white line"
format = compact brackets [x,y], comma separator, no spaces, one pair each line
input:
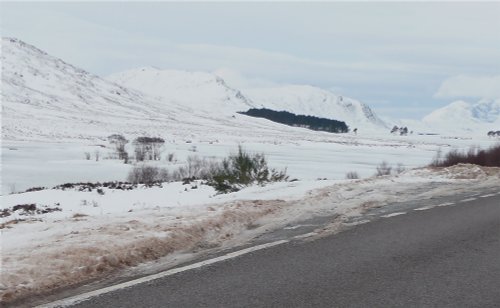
[86,296]
[302,236]
[360,222]
[424,208]
[488,195]
[393,214]
[297,226]
[446,204]
[468,200]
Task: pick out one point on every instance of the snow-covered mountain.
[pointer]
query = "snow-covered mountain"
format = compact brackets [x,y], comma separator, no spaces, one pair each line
[195,90]
[461,116]
[205,91]
[309,100]
[45,98]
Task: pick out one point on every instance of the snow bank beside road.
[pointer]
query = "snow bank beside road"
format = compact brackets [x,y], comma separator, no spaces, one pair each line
[90,234]
[83,242]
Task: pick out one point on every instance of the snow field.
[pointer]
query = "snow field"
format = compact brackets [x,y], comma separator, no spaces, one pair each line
[29,164]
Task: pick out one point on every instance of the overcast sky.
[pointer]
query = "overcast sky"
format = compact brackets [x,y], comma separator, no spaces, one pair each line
[403,59]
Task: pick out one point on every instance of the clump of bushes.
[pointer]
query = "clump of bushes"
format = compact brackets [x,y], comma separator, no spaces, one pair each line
[475,155]
[196,168]
[385,169]
[32,189]
[28,209]
[352,175]
[148,148]
[148,175]
[119,142]
[89,187]
[243,169]
[231,174]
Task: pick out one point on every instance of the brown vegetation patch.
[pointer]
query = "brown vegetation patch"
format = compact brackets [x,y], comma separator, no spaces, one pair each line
[85,260]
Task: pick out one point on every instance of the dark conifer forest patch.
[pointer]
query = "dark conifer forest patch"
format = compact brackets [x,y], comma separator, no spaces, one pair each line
[288,118]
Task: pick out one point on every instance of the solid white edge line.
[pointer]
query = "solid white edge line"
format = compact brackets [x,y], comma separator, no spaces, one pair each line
[86,296]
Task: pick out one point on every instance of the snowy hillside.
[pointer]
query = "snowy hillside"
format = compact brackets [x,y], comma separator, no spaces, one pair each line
[45,98]
[42,96]
[195,90]
[205,91]
[308,100]
[461,116]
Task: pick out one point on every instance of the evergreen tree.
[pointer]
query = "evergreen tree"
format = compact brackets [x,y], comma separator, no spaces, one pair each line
[288,118]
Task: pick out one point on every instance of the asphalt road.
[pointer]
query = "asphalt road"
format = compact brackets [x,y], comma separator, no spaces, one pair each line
[442,257]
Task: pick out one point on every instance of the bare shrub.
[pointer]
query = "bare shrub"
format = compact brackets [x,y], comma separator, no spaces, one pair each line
[148,148]
[352,175]
[125,157]
[475,155]
[437,158]
[170,157]
[164,175]
[196,168]
[97,154]
[119,142]
[144,174]
[400,168]
[87,155]
[383,169]
[12,188]
[79,215]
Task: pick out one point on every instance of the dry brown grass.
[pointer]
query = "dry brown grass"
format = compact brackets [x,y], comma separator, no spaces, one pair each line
[475,156]
[85,260]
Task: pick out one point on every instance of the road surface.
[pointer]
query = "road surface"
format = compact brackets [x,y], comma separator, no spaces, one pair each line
[445,256]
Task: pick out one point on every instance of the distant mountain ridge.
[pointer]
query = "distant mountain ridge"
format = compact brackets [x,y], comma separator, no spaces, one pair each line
[313,101]
[206,91]
[464,116]
[45,98]
[196,90]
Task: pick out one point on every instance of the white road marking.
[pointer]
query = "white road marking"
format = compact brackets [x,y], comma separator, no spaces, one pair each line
[86,296]
[468,200]
[298,237]
[297,226]
[446,204]
[424,208]
[488,195]
[360,222]
[393,214]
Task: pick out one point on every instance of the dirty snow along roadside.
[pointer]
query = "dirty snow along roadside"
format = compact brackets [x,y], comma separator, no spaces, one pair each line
[82,242]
